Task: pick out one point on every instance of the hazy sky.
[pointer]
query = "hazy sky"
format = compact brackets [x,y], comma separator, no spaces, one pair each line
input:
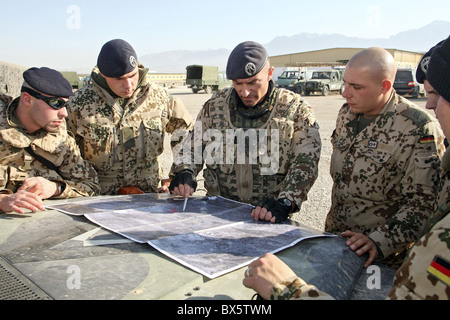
[69,34]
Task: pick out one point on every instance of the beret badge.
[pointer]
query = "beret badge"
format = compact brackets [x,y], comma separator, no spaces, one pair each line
[250,69]
[133,61]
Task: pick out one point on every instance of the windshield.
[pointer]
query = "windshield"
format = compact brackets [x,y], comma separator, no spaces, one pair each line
[404,76]
[290,75]
[321,75]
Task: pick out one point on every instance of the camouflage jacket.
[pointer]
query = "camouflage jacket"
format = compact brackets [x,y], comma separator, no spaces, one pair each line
[16,164]
[385,178]
[123,139]
[280,159]
[423,275]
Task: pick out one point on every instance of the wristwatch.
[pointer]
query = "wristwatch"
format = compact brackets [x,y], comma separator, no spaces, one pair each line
[61,187]
[286,202]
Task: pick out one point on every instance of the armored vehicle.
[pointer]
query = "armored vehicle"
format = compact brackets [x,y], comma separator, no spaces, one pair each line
[205,78]
[77,254]
[324,81]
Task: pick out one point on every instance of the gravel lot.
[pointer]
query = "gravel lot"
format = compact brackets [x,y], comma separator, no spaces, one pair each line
[315,209]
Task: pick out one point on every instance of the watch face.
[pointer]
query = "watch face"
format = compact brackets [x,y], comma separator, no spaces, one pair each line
[286,202]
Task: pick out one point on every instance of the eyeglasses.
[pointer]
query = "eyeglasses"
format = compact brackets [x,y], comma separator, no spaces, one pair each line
[55,103]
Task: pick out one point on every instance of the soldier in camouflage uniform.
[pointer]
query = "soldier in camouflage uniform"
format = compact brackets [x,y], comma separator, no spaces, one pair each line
[120,121]
[277,187]
[38,158]
[426,272]
[384,163]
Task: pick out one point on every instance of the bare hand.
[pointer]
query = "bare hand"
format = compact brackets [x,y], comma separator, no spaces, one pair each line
[21,200]
[40,186]
[262,214]
[361,244]
[264,273]
[165,183]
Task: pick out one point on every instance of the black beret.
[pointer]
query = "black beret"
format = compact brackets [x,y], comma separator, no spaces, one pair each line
[422,68]
[439,69]
[48,81]
[117,58]
[246,60]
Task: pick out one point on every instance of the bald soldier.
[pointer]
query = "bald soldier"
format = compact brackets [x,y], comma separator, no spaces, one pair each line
[120,121]
[384,163]
[425,272]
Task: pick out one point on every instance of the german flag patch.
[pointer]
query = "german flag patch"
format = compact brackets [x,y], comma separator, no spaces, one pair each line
[427,139]
[440,269]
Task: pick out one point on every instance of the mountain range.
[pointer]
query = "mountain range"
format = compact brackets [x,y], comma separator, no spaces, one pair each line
[419,40]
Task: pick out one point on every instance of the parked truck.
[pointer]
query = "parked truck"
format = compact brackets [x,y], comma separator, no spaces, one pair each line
[74,78]
[205,78]
[324,81]
[289,77]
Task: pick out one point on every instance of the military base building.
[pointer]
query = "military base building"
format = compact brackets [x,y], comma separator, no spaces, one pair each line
[339,57]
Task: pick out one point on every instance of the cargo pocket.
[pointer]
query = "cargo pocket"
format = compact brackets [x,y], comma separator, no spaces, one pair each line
[426,167]
[153,134]
[372,169]
[99,142]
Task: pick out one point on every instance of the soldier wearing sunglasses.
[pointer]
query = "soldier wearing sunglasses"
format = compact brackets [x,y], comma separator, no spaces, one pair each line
[38,158]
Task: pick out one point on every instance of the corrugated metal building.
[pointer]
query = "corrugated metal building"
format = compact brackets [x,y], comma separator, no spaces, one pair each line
[339,57]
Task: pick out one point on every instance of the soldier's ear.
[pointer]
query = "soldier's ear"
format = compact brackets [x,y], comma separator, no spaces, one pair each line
[26,98]
[387,86]
[271,70]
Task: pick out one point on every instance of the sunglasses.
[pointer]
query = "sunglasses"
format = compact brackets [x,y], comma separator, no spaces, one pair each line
[55,103]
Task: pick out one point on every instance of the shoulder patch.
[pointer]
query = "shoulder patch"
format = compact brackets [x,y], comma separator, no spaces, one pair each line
[419,117]
[440,269]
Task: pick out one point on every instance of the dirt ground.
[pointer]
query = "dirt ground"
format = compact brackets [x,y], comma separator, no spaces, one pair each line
[315,209]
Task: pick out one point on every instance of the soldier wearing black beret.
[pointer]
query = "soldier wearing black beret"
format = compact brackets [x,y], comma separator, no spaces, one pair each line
[38,158]
[120,121]
[255,104]
[421,76]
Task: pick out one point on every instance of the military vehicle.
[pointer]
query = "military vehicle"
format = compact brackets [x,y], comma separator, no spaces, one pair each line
[74,78]
[406,84]
[324,81]
[289,77]
[52,255]
[205,78]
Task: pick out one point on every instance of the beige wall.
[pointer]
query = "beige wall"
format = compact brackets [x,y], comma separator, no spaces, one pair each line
[407,59]
[339,56]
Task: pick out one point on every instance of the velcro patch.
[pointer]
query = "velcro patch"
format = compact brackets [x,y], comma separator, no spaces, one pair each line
[427,139]
[440,269]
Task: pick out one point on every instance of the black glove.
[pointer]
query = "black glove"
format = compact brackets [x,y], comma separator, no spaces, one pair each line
[279,210]
[183,177]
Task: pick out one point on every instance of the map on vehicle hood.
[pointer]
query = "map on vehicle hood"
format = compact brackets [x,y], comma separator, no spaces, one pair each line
[213,236]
